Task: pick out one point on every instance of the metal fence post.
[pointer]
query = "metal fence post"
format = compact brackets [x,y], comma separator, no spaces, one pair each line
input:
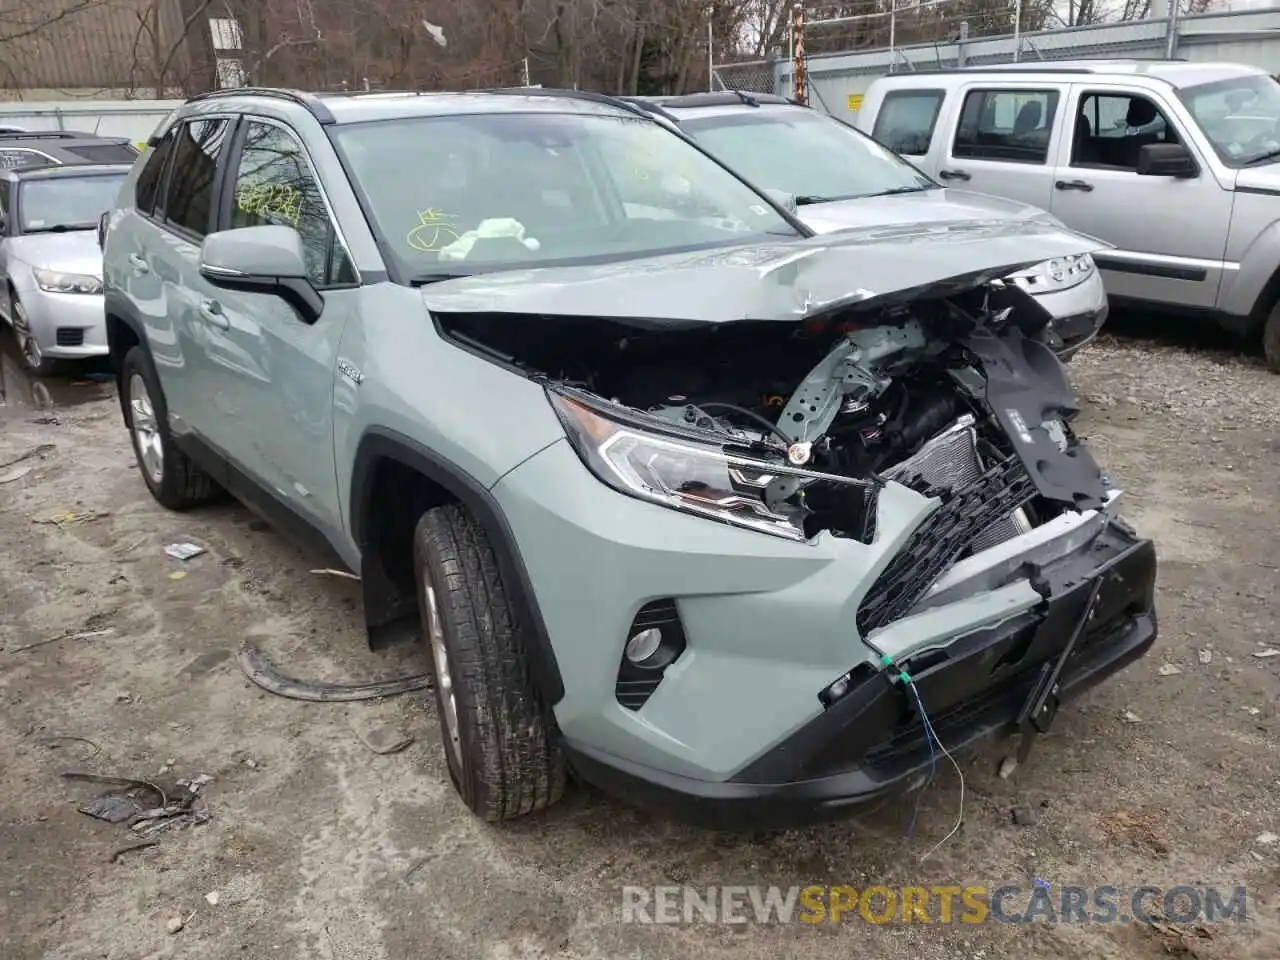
[1171,31]
[1017,30]
[962,43]
[893,33]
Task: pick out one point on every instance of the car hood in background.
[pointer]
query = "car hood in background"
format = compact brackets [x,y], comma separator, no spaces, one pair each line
[75,251]
[929,206]
[779,280]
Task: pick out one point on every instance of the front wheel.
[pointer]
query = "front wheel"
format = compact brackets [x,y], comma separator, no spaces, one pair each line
[33,361]
[1271,340]
[499,738]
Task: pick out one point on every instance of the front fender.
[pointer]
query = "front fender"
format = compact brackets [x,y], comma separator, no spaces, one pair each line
[1257,281]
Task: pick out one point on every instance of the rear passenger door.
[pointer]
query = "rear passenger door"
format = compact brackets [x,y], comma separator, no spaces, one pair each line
[271,375]
[1001,139]
[163,265]
[1170,233]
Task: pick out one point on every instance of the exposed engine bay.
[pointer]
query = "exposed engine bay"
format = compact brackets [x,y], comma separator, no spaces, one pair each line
[953,397]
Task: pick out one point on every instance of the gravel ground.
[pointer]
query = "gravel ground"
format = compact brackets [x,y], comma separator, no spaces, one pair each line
[319,848]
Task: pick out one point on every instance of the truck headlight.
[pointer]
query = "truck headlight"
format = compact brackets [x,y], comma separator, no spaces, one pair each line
[678,472]
[54,281]
[1061,273]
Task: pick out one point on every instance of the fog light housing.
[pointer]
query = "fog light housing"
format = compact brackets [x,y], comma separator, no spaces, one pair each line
[643,645]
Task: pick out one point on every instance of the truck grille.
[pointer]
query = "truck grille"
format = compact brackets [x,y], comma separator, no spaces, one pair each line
[965,516]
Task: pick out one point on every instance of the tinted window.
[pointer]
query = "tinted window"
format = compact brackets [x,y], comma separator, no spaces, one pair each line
[1112,128]
[147,189]
[189,200]
[805,153]
[1010,125]
[500,191]
[906,120]
[66,203]
[274,184]
[13,157]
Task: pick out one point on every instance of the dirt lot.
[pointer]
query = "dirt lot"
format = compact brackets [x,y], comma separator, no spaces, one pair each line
[319,848]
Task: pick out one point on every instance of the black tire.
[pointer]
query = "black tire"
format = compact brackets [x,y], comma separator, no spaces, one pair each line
[28,350]
[1271,340]
[507,762]
[180,484]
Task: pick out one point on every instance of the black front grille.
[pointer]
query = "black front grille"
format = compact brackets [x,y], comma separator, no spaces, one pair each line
[940,541]
[70,337]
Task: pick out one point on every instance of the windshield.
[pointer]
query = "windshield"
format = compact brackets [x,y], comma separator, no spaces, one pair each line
[66,203]
[462,194]
[805,153]
[1240,116]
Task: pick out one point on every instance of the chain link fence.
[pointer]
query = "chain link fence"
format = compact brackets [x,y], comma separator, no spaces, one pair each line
[754,76]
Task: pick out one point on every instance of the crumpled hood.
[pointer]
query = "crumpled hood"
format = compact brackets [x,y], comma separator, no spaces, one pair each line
[73,252]
[929,207]
[779,280]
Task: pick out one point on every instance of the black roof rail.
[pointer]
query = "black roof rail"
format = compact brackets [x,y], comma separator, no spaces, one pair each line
[309,100]
[589,95]
[718,98]
[54,135]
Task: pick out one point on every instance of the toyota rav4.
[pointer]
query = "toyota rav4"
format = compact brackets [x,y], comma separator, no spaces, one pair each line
[724,517]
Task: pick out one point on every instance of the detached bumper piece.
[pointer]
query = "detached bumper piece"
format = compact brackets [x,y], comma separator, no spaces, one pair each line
[869,744]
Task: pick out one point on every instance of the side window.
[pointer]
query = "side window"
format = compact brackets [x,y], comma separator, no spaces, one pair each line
[1112,128]
[906,120]
[274,184]
[13,157]
[147,188]
[1009,125]
[189,200]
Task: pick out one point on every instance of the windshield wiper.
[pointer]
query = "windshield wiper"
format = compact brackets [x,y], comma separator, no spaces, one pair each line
[436,276]
[62,228]
[804,199]
[894,191]
[1269,155]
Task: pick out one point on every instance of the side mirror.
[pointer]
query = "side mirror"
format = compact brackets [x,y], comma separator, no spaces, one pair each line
[1166,160]
[268,259]
[783,199]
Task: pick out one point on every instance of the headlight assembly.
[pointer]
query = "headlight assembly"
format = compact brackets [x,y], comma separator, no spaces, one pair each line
[684,474]
[54,281]
[1060,273]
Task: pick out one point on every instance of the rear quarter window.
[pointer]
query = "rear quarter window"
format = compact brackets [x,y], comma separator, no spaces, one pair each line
[906,120]
[105,152]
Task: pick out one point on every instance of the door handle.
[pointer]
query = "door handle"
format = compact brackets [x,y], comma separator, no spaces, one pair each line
[139,265]
[211,311]
[1074,185]
[953,175]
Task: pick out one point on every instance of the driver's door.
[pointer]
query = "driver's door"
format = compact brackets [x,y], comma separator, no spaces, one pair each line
[1170,233]
[272,374]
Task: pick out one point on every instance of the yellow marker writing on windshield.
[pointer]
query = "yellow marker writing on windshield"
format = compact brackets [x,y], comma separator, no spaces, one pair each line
[432,232]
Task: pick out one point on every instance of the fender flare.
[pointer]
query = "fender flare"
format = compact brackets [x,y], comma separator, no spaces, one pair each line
[377,443]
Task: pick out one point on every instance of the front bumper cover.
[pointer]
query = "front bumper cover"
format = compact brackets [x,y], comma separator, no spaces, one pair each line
[870,744]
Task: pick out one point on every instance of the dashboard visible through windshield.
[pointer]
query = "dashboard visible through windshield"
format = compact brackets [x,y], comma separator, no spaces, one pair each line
[469,193]
[1240,116]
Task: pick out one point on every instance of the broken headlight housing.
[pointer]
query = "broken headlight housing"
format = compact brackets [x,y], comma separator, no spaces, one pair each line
[1061,273]
[677,471]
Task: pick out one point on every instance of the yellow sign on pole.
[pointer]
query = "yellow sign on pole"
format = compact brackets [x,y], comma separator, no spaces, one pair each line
[855,101]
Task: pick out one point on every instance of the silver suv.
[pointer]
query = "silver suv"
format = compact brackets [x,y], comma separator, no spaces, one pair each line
[1177,165]
[729,519]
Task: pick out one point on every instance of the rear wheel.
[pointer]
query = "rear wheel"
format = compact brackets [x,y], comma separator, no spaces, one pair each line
[33,361]
[499,739]
[1271,339]
[171,476]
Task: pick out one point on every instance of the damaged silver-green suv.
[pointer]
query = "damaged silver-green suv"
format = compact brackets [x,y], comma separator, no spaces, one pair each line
[729,519]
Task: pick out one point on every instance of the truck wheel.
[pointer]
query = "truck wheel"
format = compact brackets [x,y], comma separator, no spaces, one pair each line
[1271,340]
[499,739]
[171,476]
